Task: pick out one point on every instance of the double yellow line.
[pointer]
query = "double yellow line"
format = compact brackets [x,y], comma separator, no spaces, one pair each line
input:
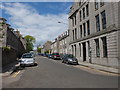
[107,73]
[15,74]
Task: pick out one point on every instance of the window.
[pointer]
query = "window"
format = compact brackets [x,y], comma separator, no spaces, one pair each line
[88,48]
[81,31]
[101,3]
[72,50]
[88,27]
[103,16]
[96,5]
[75,33]
[80,16]
[84,27]
[80,49]
[104,42]
[75,50]
[87,10]
[79,3]
[83,13]
[72,21]
[97,23]
[75,20]
[97,48]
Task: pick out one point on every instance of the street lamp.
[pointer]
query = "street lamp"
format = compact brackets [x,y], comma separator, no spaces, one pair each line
[62,22]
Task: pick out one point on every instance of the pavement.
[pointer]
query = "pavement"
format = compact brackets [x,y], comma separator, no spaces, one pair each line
[7,70]
[100,67]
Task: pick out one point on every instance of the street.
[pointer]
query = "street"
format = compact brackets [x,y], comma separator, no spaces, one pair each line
[54,74]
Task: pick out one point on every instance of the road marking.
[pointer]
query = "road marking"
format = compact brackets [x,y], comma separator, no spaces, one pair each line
[14,75]
[104,72]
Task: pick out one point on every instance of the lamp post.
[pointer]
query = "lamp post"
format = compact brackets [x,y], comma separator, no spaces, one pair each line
[62,23]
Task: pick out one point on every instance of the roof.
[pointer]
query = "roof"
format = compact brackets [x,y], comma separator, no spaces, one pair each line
[1,18]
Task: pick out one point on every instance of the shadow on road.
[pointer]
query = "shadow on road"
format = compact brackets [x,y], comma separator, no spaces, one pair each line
[18,68]
[9,67]
[31,65]
[72,64]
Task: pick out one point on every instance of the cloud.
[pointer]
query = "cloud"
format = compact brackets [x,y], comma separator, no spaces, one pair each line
[26,19]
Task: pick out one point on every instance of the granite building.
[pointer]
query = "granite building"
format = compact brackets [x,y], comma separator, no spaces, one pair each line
[64,43]
[47,46]
[61,44]
[55,46]
[94,32]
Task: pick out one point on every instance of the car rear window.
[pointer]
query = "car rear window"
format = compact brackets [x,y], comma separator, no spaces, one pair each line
[55,53]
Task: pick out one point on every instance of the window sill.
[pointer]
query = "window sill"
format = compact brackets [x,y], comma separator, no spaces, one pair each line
[104,57]
[96,9]
[102,5]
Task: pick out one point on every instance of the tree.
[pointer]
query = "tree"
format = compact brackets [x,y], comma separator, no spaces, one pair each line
[48,51]
[39,50]
[30,41]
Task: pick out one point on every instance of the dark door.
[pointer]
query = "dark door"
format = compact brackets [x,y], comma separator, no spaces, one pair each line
[84,51]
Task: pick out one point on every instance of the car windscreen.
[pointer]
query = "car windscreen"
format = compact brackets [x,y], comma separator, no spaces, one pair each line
[27,56]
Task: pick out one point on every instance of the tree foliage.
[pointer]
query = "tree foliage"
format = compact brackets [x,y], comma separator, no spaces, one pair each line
[30,41]
[39,50]
[47,52]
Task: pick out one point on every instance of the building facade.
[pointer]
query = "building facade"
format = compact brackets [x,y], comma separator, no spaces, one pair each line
[42,49]
[64,43]
[47,46]
[55,46]
[94,29]
[61,44]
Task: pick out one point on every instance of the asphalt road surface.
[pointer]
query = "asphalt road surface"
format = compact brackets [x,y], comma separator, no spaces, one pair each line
[54,74]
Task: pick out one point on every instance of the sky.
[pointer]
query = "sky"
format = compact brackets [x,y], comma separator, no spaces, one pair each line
[38,19]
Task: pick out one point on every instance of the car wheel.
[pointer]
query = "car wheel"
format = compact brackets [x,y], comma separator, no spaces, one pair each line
[22,65]
[66,62]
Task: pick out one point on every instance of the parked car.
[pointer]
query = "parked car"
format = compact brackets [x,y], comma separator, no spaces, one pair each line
[61,56]
[27,59]
[39,53]
[50,56]
[42,54]
[32,52]
[47,54]
[55,56]
[69,59]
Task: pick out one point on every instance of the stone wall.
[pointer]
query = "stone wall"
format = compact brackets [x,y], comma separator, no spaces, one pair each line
[17,48]
[8,57]
[0,58]
[119,34]
[15,42]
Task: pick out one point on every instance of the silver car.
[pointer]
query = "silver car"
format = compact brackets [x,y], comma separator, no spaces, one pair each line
[27,59]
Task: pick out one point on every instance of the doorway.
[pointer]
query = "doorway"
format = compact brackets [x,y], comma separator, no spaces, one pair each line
[84,51]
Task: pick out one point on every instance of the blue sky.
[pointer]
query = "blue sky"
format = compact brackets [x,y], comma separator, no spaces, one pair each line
[44,7]
[38,19]
[52,7]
